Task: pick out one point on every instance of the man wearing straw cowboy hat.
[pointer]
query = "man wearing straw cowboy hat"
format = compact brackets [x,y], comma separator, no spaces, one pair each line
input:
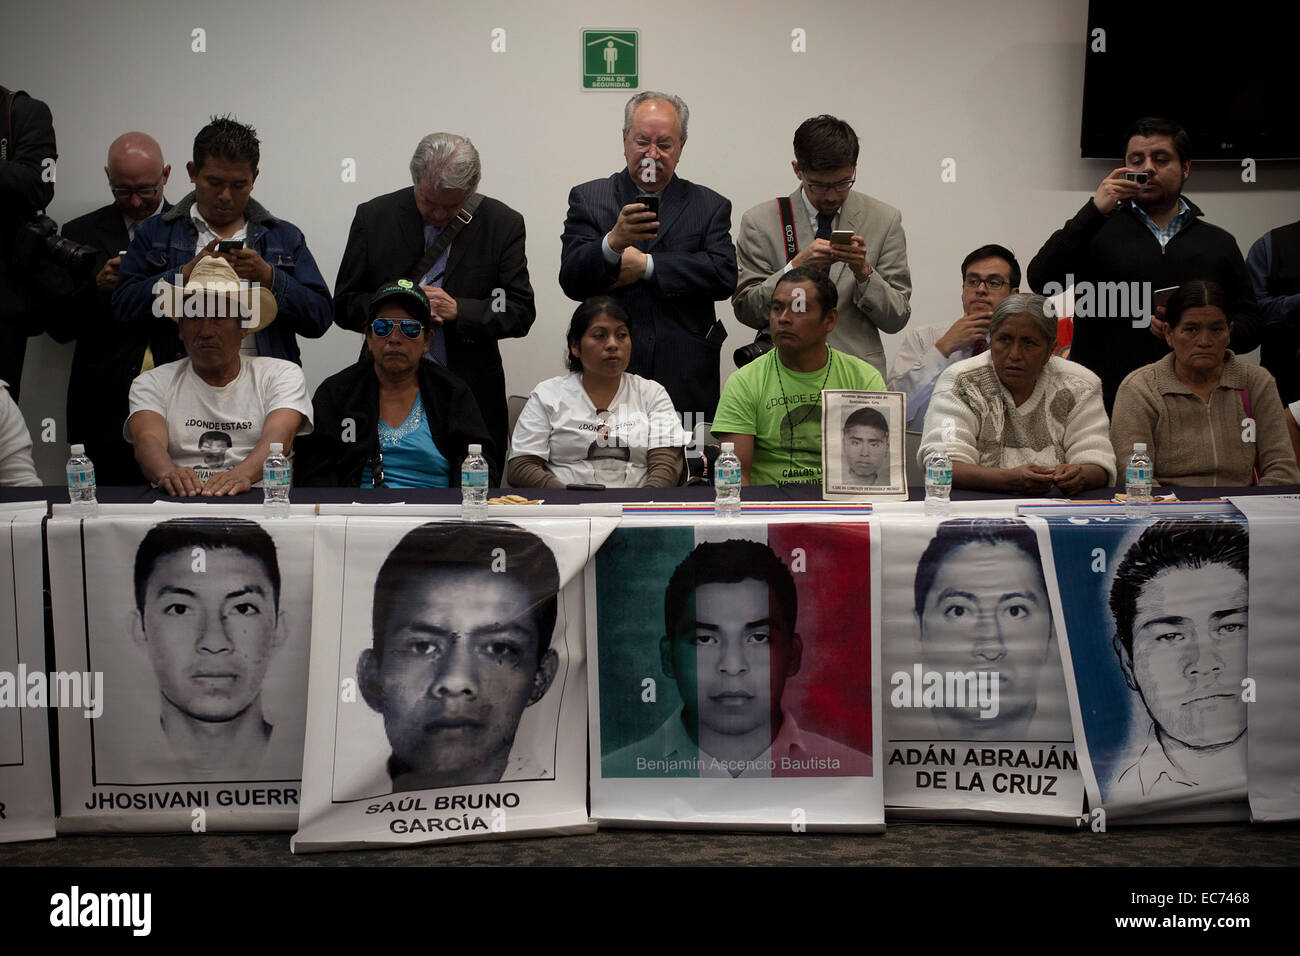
[255,400]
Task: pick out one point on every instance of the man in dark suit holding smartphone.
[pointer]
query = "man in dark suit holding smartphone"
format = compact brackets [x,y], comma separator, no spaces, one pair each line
[108,354]
[660,245]
[466,253]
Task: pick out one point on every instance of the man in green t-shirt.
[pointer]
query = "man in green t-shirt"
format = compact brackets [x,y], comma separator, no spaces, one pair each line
[771,408]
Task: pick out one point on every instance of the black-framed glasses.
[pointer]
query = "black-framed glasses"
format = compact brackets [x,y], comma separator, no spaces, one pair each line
[144,192]
[993,282]
[843,186]
[383,328]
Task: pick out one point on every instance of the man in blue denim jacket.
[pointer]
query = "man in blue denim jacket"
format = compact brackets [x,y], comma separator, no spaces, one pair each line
[272,251]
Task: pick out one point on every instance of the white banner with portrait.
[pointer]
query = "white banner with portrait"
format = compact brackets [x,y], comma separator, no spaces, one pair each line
[1152,620]
[447,698]
[731,680]
[27,688]
[198,626]
[977,721]
[1273,657]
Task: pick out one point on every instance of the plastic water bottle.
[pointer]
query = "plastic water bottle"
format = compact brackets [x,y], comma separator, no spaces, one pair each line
[938,482]
[1137,482]
[81,484]
[276,478]
[726,482]
[474,485]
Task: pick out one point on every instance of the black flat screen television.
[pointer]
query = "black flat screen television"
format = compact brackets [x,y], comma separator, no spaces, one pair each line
[1226,72]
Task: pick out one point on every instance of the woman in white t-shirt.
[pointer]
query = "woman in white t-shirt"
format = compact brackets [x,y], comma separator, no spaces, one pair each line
[598,425]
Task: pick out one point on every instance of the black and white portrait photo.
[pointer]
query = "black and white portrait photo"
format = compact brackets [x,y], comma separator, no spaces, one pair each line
[1179,600]
[26,797]
[863,444]
[208,619]
[973,669]
[981,607]
[459,651]
[200,626]
[447,696]
[11,731]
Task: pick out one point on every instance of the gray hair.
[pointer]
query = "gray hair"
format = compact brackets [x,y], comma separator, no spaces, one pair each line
[676,102]
[1026,303]
[451,160]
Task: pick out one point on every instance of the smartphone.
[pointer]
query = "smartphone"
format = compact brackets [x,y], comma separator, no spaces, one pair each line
[650,201]
[842,237]
[1161,296]
[1139,178]
[226,245]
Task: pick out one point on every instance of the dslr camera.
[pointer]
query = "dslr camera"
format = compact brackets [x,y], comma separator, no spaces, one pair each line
[761,345]
[38,240]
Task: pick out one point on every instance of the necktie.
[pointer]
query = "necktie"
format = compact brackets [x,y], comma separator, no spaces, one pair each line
[438,347]
[824,220]
[979,346]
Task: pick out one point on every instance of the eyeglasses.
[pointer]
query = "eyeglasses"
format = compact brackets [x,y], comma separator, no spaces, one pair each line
[383,328]
[643,143]
[843,186]
[144,192]
[993,282]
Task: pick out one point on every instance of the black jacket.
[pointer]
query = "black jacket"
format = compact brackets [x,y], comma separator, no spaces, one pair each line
[1097,248]
[108,354]
[27,131]
[324,459]
[487,275]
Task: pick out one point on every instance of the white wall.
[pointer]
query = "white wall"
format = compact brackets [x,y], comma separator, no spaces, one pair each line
[995,85]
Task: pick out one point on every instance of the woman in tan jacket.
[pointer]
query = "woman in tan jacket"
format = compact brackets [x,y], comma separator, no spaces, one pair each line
[1207,417]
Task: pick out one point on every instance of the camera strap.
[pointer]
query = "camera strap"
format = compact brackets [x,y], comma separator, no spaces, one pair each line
[9,125]
[449,232]
[787,227]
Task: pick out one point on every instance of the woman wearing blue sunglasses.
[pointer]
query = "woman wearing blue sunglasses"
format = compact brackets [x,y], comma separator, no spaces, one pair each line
[396,418]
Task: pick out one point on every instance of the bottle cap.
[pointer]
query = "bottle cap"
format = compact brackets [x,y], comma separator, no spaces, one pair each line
[728,447]
[1139,446]
[78,450]
[476,449]
[277,448]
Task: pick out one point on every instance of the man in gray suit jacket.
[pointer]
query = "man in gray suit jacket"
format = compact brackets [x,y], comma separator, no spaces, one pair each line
[869,270]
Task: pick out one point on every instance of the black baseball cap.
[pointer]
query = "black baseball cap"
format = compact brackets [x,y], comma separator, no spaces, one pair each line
[405,293]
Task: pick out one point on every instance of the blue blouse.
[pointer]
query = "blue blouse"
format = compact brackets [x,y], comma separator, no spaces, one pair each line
[411,459]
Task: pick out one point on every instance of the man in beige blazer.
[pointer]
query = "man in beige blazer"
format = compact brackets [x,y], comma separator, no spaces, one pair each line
[869,271]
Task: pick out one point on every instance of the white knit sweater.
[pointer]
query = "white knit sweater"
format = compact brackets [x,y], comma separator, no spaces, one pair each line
[1062,422]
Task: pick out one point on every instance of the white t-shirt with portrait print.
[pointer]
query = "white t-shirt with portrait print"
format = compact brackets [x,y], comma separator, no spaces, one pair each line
[213,429]
[582,446]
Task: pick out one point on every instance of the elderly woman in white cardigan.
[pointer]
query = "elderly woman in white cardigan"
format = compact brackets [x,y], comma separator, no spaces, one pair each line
[1016,418]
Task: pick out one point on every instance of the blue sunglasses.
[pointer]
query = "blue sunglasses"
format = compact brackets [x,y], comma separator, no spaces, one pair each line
[383,328]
